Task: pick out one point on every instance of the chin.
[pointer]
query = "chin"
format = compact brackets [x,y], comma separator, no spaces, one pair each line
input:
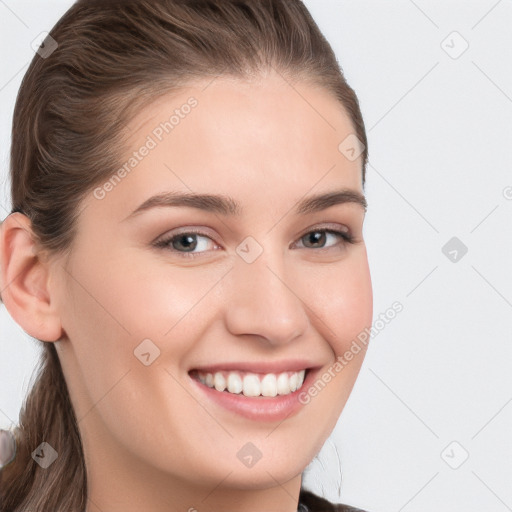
[260,480]
[262,475]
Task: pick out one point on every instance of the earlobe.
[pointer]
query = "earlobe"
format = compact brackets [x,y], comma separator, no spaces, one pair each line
[23,280]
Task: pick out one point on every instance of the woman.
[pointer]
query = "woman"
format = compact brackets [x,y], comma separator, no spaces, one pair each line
[186,243]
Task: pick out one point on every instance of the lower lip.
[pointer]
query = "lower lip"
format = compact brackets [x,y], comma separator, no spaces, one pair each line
[259,408]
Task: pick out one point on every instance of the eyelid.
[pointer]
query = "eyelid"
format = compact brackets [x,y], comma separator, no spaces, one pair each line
[326,226]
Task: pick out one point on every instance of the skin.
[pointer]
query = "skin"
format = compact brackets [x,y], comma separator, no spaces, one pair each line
[151,440]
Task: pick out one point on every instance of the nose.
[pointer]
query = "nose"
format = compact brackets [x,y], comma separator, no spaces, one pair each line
[264,302]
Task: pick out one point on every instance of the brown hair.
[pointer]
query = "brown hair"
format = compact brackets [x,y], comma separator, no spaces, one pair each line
[113,58]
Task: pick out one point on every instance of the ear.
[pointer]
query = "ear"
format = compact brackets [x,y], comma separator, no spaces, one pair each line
[23,280]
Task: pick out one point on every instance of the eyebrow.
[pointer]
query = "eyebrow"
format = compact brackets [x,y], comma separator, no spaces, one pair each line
[226,205]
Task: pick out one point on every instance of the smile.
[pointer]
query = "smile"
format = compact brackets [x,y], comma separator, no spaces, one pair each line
[252,384]
[255,395]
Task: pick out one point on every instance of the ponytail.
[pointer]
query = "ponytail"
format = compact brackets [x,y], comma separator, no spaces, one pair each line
[46,417]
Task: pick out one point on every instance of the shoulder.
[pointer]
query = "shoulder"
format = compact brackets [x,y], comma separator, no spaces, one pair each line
[314,503]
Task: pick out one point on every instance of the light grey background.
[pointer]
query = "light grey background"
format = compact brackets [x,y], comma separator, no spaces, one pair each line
[440,138]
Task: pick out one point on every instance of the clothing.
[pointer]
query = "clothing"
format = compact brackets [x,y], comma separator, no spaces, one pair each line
[309,502]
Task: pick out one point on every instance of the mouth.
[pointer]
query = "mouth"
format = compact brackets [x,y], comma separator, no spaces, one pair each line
[256,396]
[252,384]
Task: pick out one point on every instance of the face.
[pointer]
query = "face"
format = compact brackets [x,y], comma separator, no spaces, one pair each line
[148,299]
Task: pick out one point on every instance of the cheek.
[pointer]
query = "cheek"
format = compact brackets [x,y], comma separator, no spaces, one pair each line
[343,306]
[129,298]
[107,316]
[342,298]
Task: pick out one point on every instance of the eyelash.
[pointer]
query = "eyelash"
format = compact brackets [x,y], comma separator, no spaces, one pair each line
[346,237]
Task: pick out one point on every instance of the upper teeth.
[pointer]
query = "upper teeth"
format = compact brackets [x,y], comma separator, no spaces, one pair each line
[253,384]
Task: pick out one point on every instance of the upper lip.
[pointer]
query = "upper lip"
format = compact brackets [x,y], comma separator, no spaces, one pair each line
[294,365]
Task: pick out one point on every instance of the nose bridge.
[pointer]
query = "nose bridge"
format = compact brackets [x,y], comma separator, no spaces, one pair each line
[263,301]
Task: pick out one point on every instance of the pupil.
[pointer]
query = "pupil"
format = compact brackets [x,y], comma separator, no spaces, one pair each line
[317,236]
[189,240]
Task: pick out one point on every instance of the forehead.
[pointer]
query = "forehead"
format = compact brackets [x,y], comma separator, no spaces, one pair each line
[266,136]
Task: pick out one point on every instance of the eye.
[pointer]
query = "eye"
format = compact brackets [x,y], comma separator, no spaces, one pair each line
[189,244]
[184,243]
[319,236]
